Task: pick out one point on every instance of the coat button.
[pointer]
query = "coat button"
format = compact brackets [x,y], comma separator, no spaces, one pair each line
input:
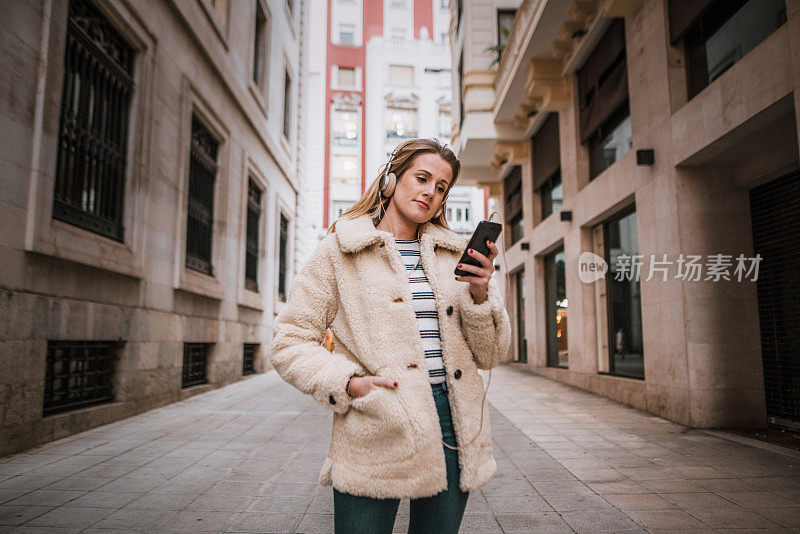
[330,398]
[382,245]
[457,374]
[449,310]
[412,365]
[398,299]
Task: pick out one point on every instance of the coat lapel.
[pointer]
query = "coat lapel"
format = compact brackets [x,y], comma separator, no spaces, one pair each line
[355,234]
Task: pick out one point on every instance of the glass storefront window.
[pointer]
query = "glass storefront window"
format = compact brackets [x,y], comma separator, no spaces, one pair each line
[624,301]
[522,342]
[556,315]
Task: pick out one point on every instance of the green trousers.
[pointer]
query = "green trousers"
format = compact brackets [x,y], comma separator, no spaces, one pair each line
[437,514]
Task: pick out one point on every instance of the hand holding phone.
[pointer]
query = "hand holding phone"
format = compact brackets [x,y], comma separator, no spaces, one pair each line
[486,231]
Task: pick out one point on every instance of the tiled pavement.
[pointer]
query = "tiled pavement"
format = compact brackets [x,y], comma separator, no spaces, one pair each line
[245,458]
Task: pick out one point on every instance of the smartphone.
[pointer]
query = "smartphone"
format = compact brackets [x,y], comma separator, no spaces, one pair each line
[486,231]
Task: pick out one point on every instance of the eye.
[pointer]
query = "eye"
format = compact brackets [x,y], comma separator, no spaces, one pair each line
[441,189]
[421,178]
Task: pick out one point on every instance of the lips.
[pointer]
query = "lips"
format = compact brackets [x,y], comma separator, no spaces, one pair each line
[422,204]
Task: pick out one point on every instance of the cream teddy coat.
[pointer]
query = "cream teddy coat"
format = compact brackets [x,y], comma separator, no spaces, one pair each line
[387,444]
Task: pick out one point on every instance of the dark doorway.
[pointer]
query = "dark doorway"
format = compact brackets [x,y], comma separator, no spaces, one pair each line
[775,213]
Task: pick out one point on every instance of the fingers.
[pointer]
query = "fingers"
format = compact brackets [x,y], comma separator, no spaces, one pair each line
[480,257]
[384,381]
[479,271]
[493,250]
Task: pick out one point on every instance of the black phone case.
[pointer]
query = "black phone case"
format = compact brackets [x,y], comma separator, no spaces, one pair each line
[486,231]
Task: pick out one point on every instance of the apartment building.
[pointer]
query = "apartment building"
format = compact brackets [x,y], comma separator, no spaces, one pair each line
[151,191]
[390,80]
[645,156]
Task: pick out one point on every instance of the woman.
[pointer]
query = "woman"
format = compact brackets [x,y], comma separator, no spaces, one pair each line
[409,338]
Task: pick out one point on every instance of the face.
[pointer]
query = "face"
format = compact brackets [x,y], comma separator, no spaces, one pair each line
[422,187]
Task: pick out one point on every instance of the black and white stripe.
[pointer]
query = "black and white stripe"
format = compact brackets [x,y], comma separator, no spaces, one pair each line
[424,302]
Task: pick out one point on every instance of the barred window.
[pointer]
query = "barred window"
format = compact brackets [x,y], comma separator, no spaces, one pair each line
[78,374]
[251,237]
[200,211]
[93,128]
[249,358]
[195,362]
[284,241]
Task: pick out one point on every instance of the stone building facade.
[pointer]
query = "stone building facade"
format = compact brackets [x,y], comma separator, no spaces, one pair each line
[658,136]
[149,202]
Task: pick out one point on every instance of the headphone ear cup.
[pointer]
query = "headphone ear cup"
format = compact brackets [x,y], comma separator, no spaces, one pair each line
[391,181]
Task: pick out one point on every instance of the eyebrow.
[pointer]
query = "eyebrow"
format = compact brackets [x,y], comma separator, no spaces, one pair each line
[423,171]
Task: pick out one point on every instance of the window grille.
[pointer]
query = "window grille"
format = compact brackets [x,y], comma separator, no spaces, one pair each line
[249,358]
[195,360]
[78,374]
[92,135]
[251,237]
[284,240]
[200,212]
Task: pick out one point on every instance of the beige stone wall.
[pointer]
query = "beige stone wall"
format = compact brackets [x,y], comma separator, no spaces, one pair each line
[59,282]
[702,341]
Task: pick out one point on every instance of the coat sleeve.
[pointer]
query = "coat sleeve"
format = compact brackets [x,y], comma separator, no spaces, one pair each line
[486,326]
[297,353]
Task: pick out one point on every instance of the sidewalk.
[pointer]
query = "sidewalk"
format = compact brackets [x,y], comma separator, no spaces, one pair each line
[245,458]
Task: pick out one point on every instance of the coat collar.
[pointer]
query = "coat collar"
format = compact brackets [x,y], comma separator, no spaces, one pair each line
[355,234]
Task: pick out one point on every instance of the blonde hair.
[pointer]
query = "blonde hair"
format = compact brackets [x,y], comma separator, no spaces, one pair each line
[405,154]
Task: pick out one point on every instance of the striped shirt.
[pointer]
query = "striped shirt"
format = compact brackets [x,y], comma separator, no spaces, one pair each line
[424,302]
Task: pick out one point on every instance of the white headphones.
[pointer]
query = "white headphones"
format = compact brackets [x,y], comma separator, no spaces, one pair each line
[388,181]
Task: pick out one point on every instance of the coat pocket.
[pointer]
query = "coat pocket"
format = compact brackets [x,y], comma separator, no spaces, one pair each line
[378,427]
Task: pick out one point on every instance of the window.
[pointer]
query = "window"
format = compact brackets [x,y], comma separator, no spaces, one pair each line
[551,194]
[398,34]
[251,236]
[612,140]
[200,210]
[398,3]
[287,106]
[458,214]
[401,76]
[459,12]
[546,152]
[401,123]
[345,127]
[346,78]
[717,34]
[347,34]
[260,45]
[345,170]
[93,133]
[512,192]
[249,352]
[450,214]
[445,37]
[466,214]
[78,374]
[445,125]
[505,21]
[195,362]
[603,98]
[623,296]
[444,4]
[522,342]
[556,309]
[283,242]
